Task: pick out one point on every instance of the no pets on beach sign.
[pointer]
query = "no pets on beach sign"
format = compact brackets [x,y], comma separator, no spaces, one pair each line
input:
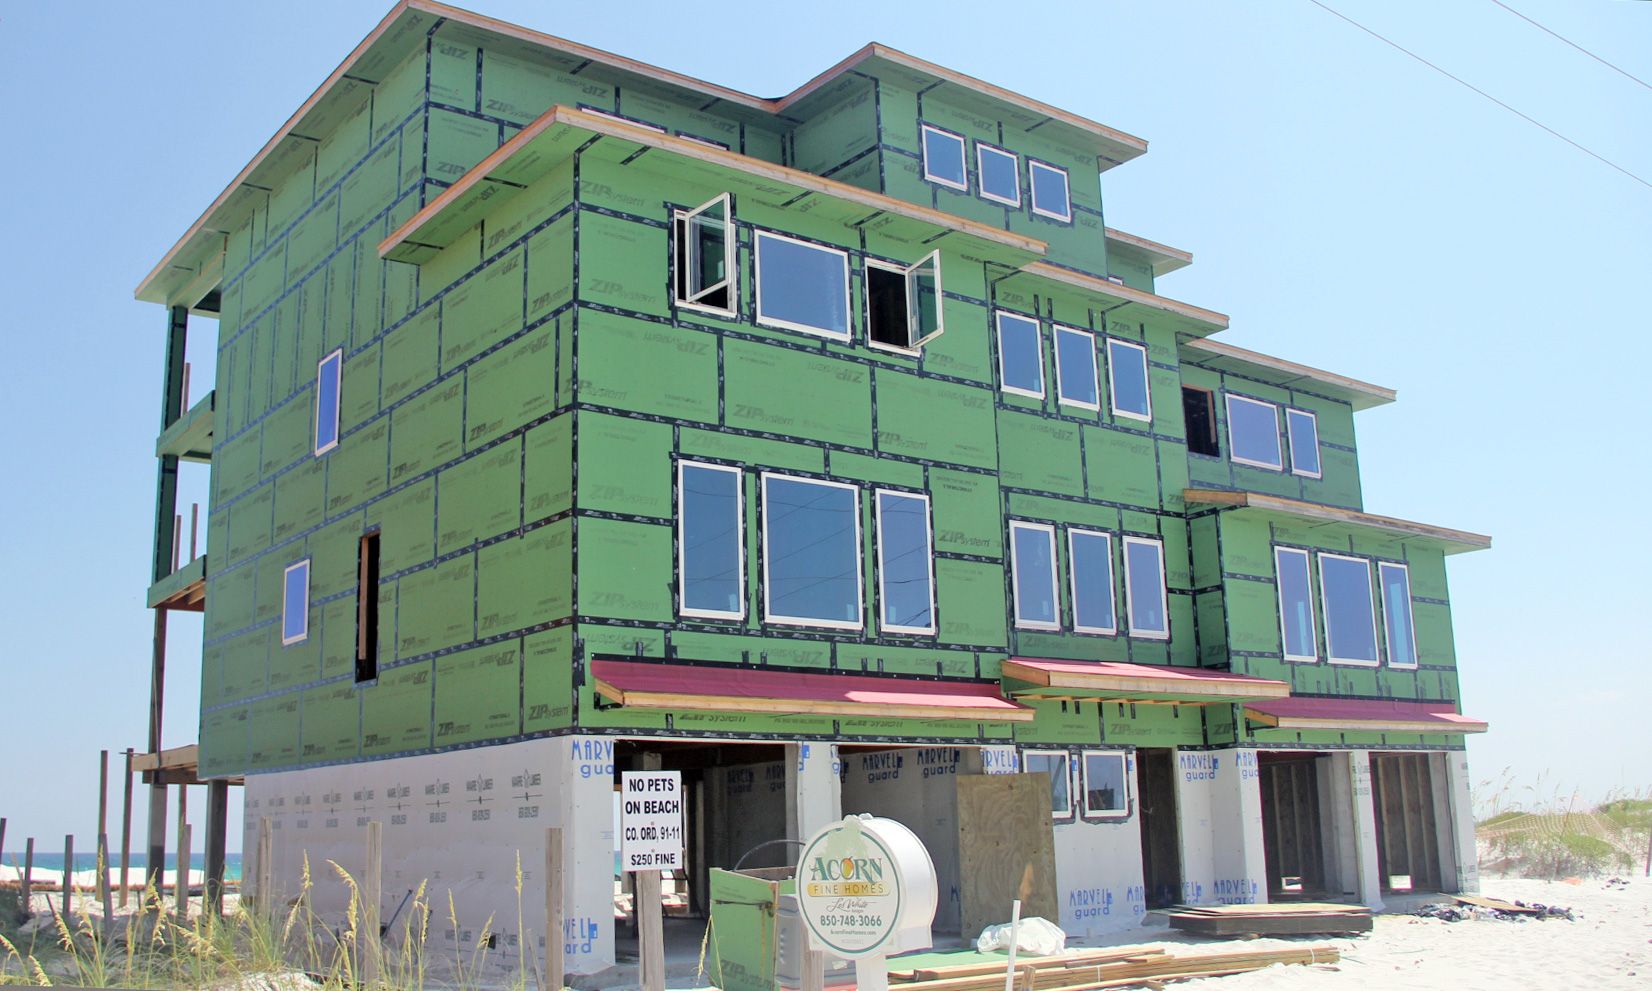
[651,820]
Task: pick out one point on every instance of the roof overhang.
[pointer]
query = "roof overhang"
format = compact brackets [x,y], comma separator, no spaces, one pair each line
[1116,681]
[677,687]
[1119,301]
[1277,371]
[1312,513]
[1362,715]
[1161,259]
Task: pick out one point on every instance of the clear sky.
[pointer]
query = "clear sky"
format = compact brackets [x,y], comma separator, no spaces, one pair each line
[1348,206]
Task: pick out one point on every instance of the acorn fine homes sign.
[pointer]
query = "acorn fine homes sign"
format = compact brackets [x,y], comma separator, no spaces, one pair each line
[866,889]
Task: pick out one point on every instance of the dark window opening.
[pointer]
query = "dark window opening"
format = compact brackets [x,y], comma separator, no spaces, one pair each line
[1199,412]
[367,608]
[886,307]
[704,256]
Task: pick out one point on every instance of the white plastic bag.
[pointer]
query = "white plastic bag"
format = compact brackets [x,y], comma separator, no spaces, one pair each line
[1039,937]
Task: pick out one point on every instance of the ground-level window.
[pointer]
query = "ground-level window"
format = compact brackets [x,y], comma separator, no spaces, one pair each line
[903,303]
[1253,432]
[906,578]
[1000,174]
[1049,191]
[944,158]
[1350,619]
[1075,368]
[367,607]
[1296,604]
[327,374]
[1127,374]
[811,552]
[295,602]
[1106,787]
[1396,613]
[1032,569]
[1144,590]
[711,541]
[1053,763]
[705,257]
[1090,558]
[1199,414]
[1020,356]
[1303,429]
[802,286]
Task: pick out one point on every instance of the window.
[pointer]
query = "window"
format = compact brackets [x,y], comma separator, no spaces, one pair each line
[802,286]
[1350,620]
[1032,570]
[1049,191]
[1296,604]
[711,540]
[1303,428]
[1144,591]
[1106,786]
[367,607]
[903,305]
[811,553]
[1075,368]
[326,401]
[944,158]
[999,173]
[705,257]
[1396,614]
[295,603]
[1053,763]
[1253,432]
[1199,413]
[1127,376]
[1020,356]
[906,578]
[1090,559]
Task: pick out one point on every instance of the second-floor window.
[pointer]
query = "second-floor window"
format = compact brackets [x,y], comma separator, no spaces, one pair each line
[1090,558]
[906,579]
[1144,588]
[711,556]
[1106,784]
[1296,604]
[903,303]
[1032,569]
[705,257]
[802,286]
[1127,374]
[811,552]
[327,376]
[1020,355]
[1056,764]
[1302,428]
[1253,432]
[1075,368]
[1350,616]
[1396,613]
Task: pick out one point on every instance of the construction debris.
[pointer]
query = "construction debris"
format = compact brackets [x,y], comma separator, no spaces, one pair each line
[1464,907]
[1299,919]
[1131,967]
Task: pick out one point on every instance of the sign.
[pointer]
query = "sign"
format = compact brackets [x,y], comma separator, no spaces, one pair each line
[651,820]
[850,890]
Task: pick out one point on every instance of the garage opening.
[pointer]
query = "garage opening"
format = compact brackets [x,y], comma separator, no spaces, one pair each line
[1293,826]
[1408,838]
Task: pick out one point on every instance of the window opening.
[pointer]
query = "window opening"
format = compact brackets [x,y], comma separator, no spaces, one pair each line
[1199,413]
[903,305]
[327,374]
[705,257]
[367,607]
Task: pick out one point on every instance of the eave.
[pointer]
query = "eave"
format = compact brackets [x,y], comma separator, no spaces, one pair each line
[1161,259]
[1185,319]
[1277,371]
[1310,513]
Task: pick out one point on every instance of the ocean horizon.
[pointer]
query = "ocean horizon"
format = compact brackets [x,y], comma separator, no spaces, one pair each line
[46,860]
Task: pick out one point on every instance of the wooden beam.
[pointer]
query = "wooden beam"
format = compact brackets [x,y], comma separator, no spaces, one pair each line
[1211,320]
[791,707]
[1193,690]
[1331,514]
[1375,393]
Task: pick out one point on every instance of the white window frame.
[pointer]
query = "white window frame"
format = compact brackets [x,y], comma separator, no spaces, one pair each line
[1112,383]
[1233,449]
[1130,591]
[1032,190]
[1112,578]
[763,321]
[1325,606]
[1067,768]
[1048,531]
[682,221]
[286,605]
[1284,622]
[963,157]
[1095,373]
[769,616]
[1290,437]
[1411,625]
[911,274]
[929,539]
[998,326]
[1123,757]
[683,608]
[981,150]
[336,357]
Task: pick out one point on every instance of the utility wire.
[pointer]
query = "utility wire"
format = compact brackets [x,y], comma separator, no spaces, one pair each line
[1619,70]
[1457,79]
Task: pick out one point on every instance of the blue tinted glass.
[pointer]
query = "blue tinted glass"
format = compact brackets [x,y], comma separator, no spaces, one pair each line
[1146,564]
[326,401]
[1104,783]
[802,284]
[1253,431]
[1296,604]
[1396,611]
[903,561]
[1075,359]
[1049,191]
[1092,581]
[1304,442]
[295,605]
[1349,631]
[999,175]
[944,157]
[812,552]
[712,539]
[1127,366]
[1034,576]
[1019,353]
[1055,765]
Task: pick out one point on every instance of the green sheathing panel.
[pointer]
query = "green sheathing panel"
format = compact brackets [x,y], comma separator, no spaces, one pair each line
[840,141]
[1338,454]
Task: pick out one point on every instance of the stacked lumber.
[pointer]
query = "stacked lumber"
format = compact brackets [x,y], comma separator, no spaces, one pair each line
[1293,919]
[1093,971]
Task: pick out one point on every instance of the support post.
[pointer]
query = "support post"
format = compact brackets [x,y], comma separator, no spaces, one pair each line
[27,893]
[1368,879]
[126,832]
[2,833]
[182,881]
[103,832]
[68,900]
[217,824]
[555,970]
[650,932]
[264,897]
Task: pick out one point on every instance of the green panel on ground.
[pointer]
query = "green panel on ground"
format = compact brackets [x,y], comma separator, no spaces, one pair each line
[645,367]
[632,475]
[970,603]
[436,607]
[936,421]
[481,497]
[526,580]
[620,567]
[510,387]
[331,718]
[548,469]
[787,392]
[425,432]
[395,713]
[477,693]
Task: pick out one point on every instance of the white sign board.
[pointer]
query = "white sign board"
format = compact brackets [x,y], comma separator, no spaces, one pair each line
[651,820]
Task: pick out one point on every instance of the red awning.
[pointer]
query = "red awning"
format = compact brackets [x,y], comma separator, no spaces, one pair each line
[1363,715]
[1118,681]
[727,688]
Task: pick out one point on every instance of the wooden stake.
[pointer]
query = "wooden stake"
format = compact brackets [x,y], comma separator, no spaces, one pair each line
[264,897]
[103,882]
[2,834]
[68,899]
[182,883]
[126,831]
[177,537]
[28,876]
[372,887]
[650,912]
[1015,942]
[194,531]
[554,937]
[103,832]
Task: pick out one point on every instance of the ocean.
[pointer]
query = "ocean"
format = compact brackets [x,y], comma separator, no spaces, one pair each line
[89,861]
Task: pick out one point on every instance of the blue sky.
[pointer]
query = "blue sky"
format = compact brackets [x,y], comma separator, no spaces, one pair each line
[1349,207]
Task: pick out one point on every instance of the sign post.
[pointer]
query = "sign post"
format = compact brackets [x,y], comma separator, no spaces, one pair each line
[651,840]
[866,888]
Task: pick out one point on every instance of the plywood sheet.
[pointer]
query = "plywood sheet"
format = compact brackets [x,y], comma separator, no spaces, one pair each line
[1006,849]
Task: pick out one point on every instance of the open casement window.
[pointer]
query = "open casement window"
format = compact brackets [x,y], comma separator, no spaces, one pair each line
[1396,614]
[705,257]
[1106,785]
[903,305]
[1055,763]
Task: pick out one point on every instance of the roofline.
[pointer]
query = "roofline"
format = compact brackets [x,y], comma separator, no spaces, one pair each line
[1378,394]
[1227,499]
[1125,294]
[1163,257]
